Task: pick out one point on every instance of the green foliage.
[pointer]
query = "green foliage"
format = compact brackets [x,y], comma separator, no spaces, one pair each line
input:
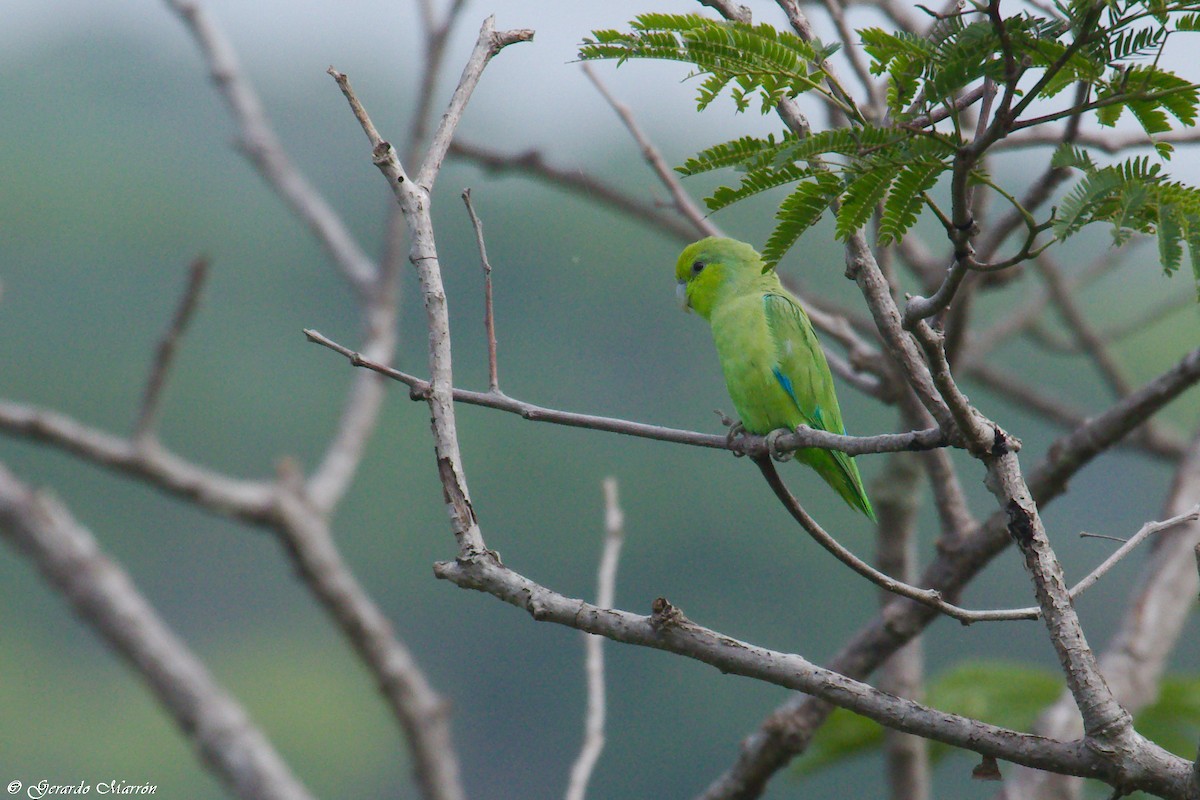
[749,59]
[1172,719]
[799,211]
[1133,196]
[888,169]
[1000,693]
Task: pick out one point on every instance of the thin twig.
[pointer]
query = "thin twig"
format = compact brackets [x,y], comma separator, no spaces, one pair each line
[606,578]
[489,320]
[680,200]
[103,594]
[928,597]
[165,354]
[745,445]
[1149,529]
[580,183]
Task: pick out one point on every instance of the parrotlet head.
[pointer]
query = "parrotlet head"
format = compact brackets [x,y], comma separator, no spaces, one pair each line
[711,267]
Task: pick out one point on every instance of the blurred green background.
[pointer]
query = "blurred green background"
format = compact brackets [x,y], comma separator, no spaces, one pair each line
[118,169]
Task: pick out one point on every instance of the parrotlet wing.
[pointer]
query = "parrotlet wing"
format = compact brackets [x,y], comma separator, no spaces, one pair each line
[800,364]
[804,374]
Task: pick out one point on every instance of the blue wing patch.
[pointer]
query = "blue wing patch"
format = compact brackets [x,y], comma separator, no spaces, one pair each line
[786,383]
[816,419]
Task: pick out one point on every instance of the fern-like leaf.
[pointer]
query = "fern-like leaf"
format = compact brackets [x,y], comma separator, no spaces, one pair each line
[755,182]
[1170,236]
[861,197]
[1075,210]
[798,212]
[738,152]
[905,199]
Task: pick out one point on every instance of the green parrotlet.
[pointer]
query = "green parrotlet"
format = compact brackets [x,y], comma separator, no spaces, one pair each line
[774,367]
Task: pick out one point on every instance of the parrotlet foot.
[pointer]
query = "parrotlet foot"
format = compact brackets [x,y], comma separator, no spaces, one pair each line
[736,429]
[773,445]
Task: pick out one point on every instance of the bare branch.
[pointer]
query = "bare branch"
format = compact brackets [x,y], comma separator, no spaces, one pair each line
[260,144]
[165,354]
[861,265]
[667,629]
[750,445]
[414,203]
[150,461]
[680,200]
[489,44]
[578,182]
[489,320]
[593,740]
[1135,658]
[101,593]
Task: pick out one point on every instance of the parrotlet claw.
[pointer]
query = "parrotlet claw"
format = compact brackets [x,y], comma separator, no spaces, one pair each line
[735,430]
[773,445]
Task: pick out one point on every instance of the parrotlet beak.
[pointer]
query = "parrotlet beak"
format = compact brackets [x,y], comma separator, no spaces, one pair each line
[681,294]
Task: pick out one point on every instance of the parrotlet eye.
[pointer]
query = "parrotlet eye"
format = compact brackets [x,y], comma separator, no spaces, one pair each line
[697,267]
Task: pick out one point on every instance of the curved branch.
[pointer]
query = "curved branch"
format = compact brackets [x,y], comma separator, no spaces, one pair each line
[927,597]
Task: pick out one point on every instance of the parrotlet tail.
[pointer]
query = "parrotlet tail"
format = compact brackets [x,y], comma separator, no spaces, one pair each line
[840,472]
